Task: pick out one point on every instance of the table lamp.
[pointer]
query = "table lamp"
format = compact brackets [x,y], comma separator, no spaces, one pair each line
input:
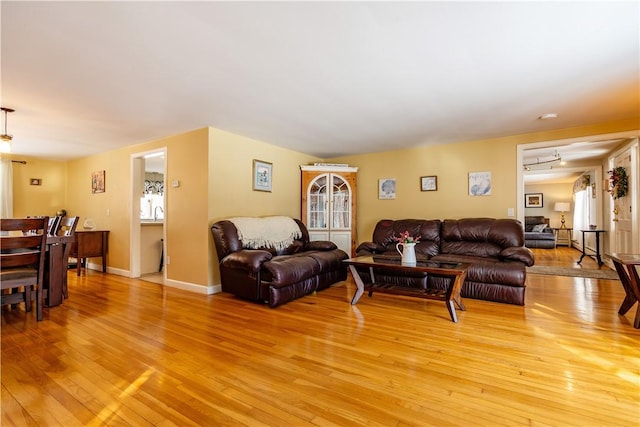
[562,207]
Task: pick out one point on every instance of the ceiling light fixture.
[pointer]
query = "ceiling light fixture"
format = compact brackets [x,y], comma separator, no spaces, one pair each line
[5,138]
[544,163]
[548,116]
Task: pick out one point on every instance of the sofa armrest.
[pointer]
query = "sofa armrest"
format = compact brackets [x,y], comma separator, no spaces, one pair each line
[369,248]
[518,253]
[321,245]
[246,259]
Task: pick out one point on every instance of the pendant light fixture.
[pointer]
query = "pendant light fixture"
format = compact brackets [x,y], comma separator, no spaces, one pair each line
[5,138]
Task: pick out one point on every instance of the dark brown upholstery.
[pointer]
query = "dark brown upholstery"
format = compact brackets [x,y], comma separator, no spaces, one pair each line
[494,248]
[276,276]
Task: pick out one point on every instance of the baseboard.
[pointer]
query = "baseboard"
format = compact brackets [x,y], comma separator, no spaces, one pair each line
[191,287]
[208,290]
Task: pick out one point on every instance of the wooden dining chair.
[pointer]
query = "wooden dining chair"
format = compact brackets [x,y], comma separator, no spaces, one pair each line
[66,228]
[22,255]
[67,225]
[54,222]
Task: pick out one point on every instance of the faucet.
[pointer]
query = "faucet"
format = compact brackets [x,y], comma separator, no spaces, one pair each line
[155,212]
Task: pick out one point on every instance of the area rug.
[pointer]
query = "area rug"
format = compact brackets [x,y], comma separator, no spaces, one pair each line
[573,272]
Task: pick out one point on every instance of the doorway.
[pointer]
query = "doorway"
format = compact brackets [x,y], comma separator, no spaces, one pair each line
[148,218]
[604,144]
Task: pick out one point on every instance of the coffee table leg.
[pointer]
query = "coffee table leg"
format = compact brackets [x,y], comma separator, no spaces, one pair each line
[452,311]
[453,296]
[359,285]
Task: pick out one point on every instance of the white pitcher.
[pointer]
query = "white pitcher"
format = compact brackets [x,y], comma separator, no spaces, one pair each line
[408,253]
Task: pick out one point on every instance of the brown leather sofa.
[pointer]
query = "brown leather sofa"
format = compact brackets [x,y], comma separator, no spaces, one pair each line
[494,248]
[276,276]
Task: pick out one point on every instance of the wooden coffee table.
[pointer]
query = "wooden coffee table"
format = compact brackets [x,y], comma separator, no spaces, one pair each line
[626,267]
[455,271]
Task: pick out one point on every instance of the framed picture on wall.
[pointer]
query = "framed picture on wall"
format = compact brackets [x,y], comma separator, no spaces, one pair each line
[262,175]
[97,182]
[428,183]
[387,188]
[479,183]
[533,200]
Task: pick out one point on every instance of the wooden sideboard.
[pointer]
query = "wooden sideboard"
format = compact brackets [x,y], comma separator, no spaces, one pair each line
[90,244]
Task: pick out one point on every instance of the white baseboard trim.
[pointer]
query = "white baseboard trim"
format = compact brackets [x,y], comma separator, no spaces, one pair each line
[208,290]
[191,287]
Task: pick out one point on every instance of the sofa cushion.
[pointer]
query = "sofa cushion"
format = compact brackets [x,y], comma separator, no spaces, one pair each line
[531,221]
[321,245]
[284,270]
[518,253]
[489,270]
[427,230]
[543,235]
[538,228]
[328,260]
[248,260]
[484,237]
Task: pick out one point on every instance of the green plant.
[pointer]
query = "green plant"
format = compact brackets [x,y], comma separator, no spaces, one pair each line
[619,182]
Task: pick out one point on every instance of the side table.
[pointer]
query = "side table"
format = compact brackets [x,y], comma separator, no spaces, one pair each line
[89,244]
[626,266]
[563,236]
[597,250]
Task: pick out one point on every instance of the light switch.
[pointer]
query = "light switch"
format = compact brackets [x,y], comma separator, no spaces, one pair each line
[175,183]
[510,212]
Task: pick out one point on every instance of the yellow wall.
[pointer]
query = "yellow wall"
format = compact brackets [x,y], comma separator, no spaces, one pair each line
[451,163]
[33,200]
[231,192]
[186,205]
[231,181]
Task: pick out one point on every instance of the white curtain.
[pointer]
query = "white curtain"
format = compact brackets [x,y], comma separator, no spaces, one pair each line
[581,210]
[6,188]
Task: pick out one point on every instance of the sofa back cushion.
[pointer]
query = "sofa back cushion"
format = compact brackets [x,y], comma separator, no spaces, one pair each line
[485,237]
[428,230]
[532,221]
[226,239]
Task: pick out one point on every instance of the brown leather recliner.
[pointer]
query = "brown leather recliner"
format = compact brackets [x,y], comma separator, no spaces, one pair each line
[494,248]
[276,276]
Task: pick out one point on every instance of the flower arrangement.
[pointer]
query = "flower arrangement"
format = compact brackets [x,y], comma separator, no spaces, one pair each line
[619,182]
[405,237]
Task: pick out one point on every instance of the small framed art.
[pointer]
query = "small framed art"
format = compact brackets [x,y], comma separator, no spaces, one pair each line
[386,188]
[479,183]
[533,200]
[428,183]
[35,181]
[97,182]
[262,175]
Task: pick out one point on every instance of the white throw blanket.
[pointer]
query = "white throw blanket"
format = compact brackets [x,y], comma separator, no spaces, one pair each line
[276,232]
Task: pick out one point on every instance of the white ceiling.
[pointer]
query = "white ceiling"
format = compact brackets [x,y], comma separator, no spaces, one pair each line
[324,78]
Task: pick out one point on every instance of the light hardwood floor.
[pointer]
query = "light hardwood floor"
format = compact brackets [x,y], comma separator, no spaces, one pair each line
[128,352]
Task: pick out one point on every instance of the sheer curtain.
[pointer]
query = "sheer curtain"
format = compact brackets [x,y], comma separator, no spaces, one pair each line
[581,210]
[6,188]
[582,206]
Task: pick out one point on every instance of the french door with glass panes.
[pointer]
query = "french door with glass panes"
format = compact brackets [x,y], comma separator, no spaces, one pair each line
[328,205]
